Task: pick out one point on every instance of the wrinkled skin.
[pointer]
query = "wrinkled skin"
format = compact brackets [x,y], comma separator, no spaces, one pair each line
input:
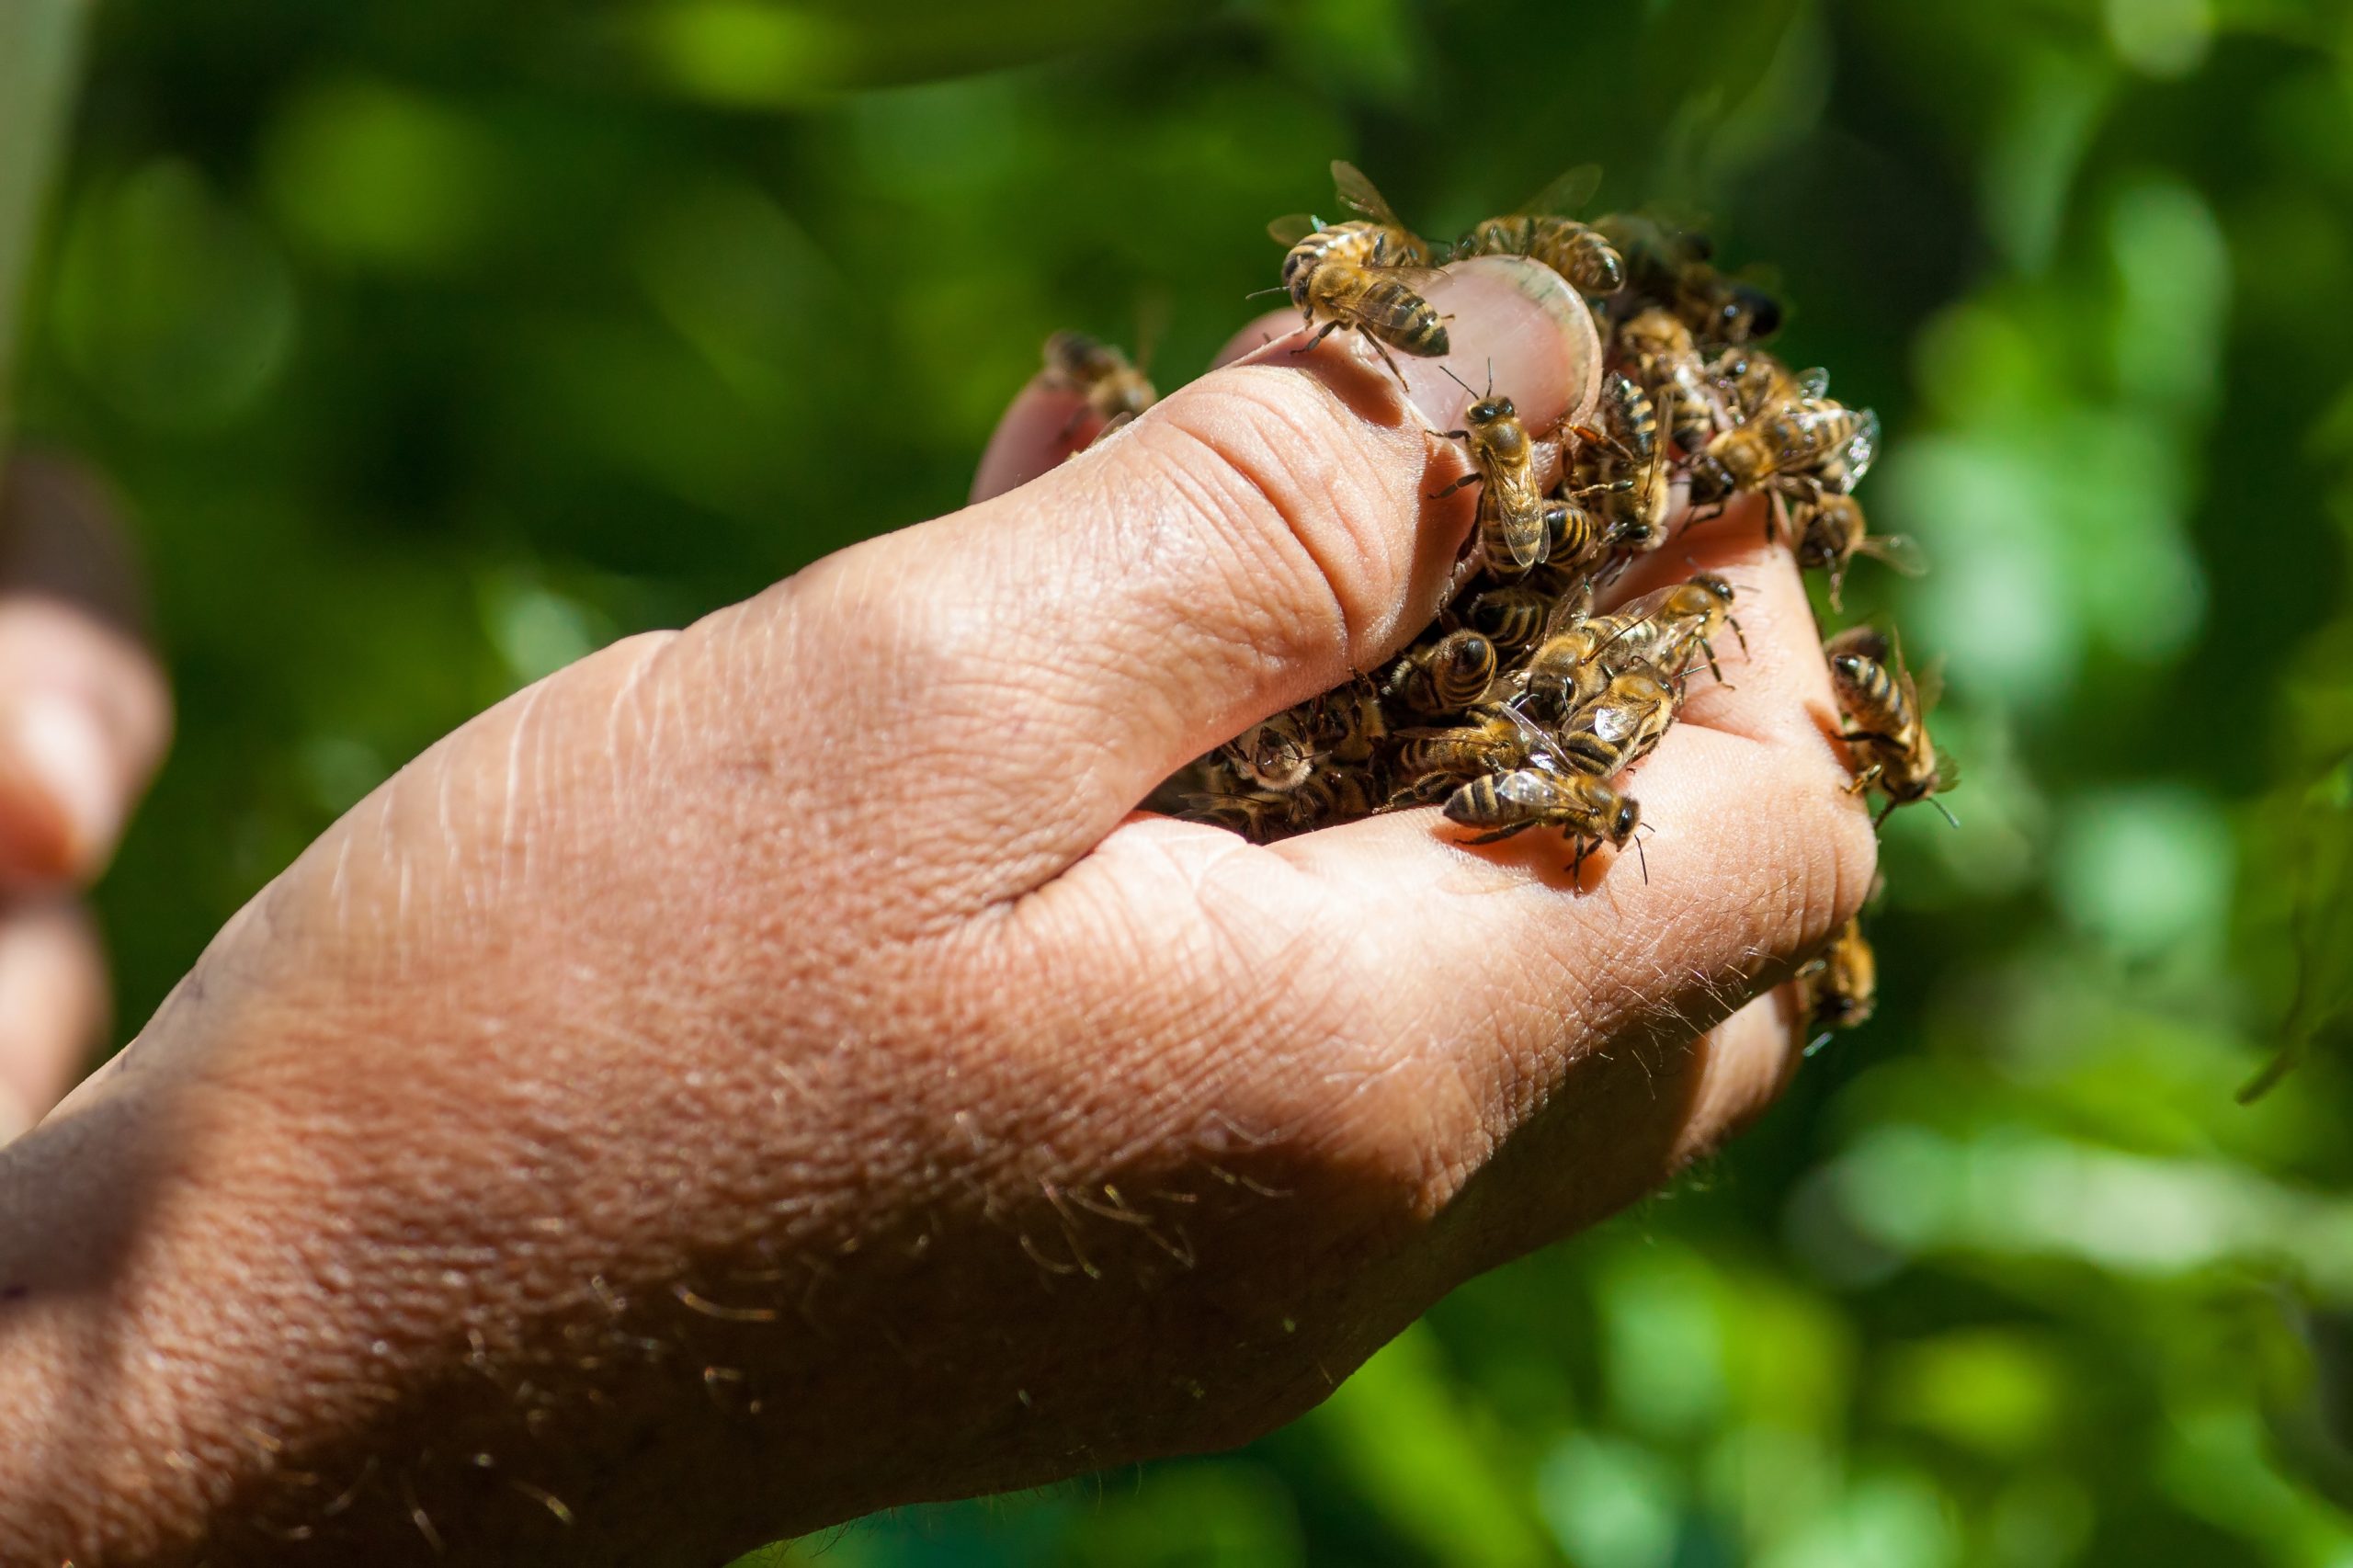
[770,1070]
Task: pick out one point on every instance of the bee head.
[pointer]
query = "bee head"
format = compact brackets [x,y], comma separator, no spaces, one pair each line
[1714,585]
[1624,821]
[1632,532]
[1762,311]
[1073,350]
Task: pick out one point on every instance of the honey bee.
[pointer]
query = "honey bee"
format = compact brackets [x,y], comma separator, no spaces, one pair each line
[1587,810]
[1830,531]
[1348,725]
[1275,756]
[1659,346]
[1887,732]
[1112,388]
[1539,229]
[1567,671]
[1444,677]
[1755,380]
[1492,743]
[1511,616]
[1672,267]
[1790,438]
[1513,522]
[1333,795]
[1620,726]
[1664,629]
[1358,275]
[1628,469]
[1256,817]
[1841,988]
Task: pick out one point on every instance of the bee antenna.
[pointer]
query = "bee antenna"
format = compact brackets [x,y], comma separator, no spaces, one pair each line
[1458,380]
[1643,860]
[1817,1042]
[1945,812]
[1258,293]
[1491,377]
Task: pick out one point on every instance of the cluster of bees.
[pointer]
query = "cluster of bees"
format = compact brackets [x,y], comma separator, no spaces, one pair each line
[1525,703]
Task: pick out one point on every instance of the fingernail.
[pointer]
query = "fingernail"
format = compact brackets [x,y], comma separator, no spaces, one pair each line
[1521,320]
[61,744]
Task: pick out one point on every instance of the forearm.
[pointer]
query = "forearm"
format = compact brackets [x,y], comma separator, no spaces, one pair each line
[218,1344]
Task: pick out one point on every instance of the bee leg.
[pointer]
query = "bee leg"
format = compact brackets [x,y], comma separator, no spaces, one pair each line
[1467,478]
[1739,635]
[1865,780]
[1327,330]
[1382,349]
[1500,833]
[1469,564]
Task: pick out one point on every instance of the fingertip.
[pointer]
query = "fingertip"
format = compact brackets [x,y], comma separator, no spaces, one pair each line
[1513,325]
[1518,327]
[1043,426]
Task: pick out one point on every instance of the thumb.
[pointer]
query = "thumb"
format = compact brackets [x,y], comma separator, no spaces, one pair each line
[1251,540]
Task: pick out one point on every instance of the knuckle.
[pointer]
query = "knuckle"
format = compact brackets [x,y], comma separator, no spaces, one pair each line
[1314,505]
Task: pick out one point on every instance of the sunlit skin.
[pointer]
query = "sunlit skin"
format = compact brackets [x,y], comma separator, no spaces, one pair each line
[769,1072]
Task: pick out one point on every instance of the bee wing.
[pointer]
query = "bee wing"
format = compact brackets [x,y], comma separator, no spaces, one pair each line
[1522,529]
[1539,739]
[1637,610]
[1927,688]
[1683,224]
[1867,639]
[1813,383]
[1567,610]
[1568,191]
[1857,450]
[1359,193]
[1900,551]
[1292,228]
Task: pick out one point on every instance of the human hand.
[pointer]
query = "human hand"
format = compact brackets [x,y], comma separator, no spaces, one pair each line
[770,1072]
[84,716]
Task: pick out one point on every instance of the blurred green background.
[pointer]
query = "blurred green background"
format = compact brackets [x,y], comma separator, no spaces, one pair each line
[437,343]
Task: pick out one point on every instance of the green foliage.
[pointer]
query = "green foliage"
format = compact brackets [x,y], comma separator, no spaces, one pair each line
[440,343]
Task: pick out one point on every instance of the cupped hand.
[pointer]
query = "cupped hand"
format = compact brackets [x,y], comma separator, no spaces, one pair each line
[771,1071]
